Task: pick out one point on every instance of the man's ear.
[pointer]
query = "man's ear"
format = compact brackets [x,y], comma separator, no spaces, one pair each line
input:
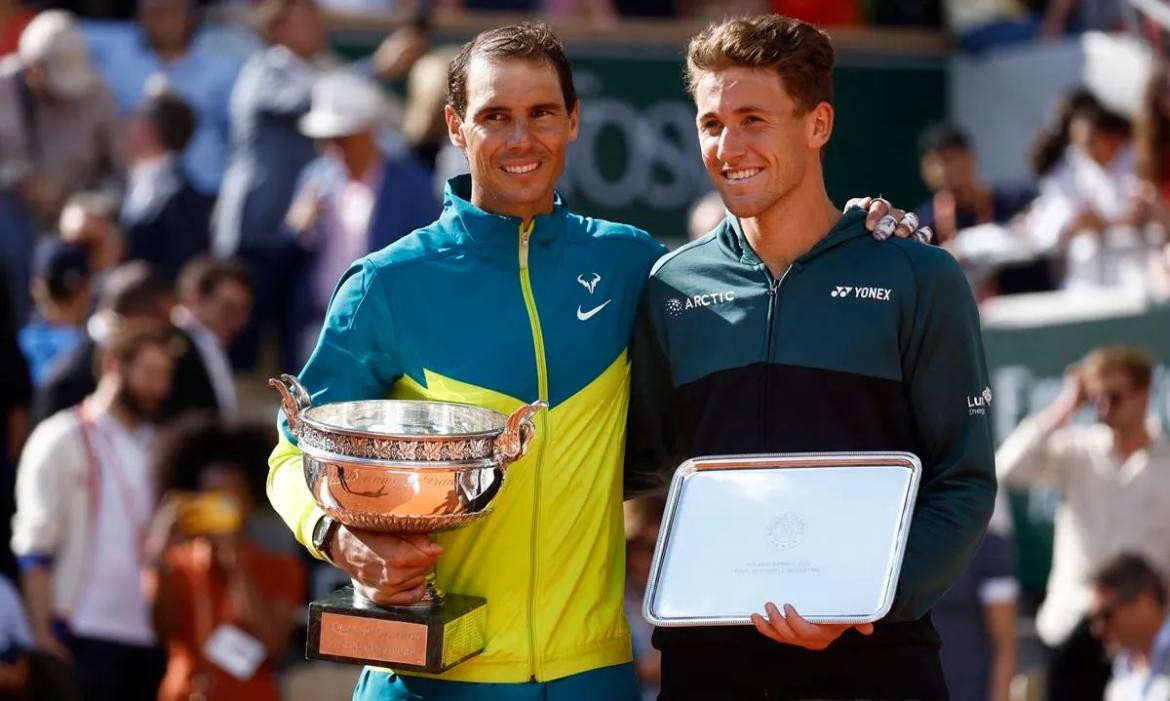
[454,127]
[820,123]
[574,120]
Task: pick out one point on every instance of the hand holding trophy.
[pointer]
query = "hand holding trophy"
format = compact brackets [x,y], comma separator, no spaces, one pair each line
[407,468]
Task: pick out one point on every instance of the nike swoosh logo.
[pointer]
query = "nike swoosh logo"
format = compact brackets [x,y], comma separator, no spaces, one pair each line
[586,316]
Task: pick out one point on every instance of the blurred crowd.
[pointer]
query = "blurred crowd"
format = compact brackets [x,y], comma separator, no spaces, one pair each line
[178,198]
[1095,216]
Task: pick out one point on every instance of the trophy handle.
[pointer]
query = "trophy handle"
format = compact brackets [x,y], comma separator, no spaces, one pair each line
[518,432]
[294,398]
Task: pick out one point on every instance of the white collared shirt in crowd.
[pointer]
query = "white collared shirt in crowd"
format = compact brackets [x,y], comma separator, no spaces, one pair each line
[214,357]
[1152,683]
[84,500]
[1109,507]
[148,186]
[344,228]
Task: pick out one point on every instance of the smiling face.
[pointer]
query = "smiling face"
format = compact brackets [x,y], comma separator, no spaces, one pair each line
[758,145]
[516,130]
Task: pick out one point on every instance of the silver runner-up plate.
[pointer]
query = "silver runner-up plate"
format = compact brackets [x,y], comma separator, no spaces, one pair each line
[824,532]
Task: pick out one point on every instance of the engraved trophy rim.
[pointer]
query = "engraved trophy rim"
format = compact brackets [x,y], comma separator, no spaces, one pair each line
[309,417]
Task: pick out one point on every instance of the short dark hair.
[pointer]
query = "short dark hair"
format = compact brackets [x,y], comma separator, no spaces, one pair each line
[525,41]
[173,119]
[941,137]
[128,337]
[203,274]
[133,288]
[801,54]
[1130,575]
[197,441]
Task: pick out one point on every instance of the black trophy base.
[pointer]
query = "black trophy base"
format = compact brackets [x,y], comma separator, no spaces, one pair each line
[344,627]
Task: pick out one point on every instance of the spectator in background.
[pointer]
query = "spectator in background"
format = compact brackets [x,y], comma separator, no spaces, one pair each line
[355,198]
[959,196]
[981,25]
[1115,478]
[423,124]
[1090,201]
[14,17]
[63,293]
[1152,132]
[85,500]
[167,220]
[208,578]
[960,199]
[58,135]
[58,123]
[215,301]
[1128,614]
[90,220]
[1090,187]
[131,292]
[976,620]
[643,516]
[168,44]
[268,153]
[1152,148]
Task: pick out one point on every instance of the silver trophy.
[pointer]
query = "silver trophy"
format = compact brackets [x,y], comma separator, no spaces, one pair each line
[405,467]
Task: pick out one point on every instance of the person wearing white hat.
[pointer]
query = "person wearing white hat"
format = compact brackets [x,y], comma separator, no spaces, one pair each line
[58,123]
[356,197]
[58,136]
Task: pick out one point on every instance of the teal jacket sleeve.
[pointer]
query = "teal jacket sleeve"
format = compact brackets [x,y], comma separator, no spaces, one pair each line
[946,377]
[357,354]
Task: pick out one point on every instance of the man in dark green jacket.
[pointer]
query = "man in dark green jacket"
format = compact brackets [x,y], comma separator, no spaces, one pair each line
[789,328]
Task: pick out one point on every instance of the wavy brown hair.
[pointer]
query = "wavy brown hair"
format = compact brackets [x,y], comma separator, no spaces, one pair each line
[801,54]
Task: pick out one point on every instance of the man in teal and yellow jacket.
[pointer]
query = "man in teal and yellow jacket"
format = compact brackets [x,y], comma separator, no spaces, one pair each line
[506,299]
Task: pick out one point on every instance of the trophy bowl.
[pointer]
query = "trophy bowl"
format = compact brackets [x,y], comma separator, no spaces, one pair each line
[402,467]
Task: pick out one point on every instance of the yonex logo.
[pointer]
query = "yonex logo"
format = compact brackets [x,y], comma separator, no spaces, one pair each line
[879,293]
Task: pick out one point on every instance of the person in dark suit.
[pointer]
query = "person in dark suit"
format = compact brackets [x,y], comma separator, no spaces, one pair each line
[167,221]
[132,291]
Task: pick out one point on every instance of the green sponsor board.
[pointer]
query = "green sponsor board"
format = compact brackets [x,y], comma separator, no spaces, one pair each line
[1027,360]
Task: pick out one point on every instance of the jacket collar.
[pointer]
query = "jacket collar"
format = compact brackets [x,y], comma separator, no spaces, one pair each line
[851,225]
[495,235]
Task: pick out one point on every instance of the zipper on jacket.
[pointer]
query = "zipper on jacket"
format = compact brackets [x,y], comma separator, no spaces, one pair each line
[773,314]
[542,428]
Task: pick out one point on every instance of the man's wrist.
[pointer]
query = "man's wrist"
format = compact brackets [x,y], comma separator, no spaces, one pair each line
[324,535]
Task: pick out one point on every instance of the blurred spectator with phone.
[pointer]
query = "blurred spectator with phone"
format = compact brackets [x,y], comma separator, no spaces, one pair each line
[224,607]
[84,502]
[1115,478]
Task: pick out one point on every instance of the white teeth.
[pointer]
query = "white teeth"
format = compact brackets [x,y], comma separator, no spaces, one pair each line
[520,170]
[741,174]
